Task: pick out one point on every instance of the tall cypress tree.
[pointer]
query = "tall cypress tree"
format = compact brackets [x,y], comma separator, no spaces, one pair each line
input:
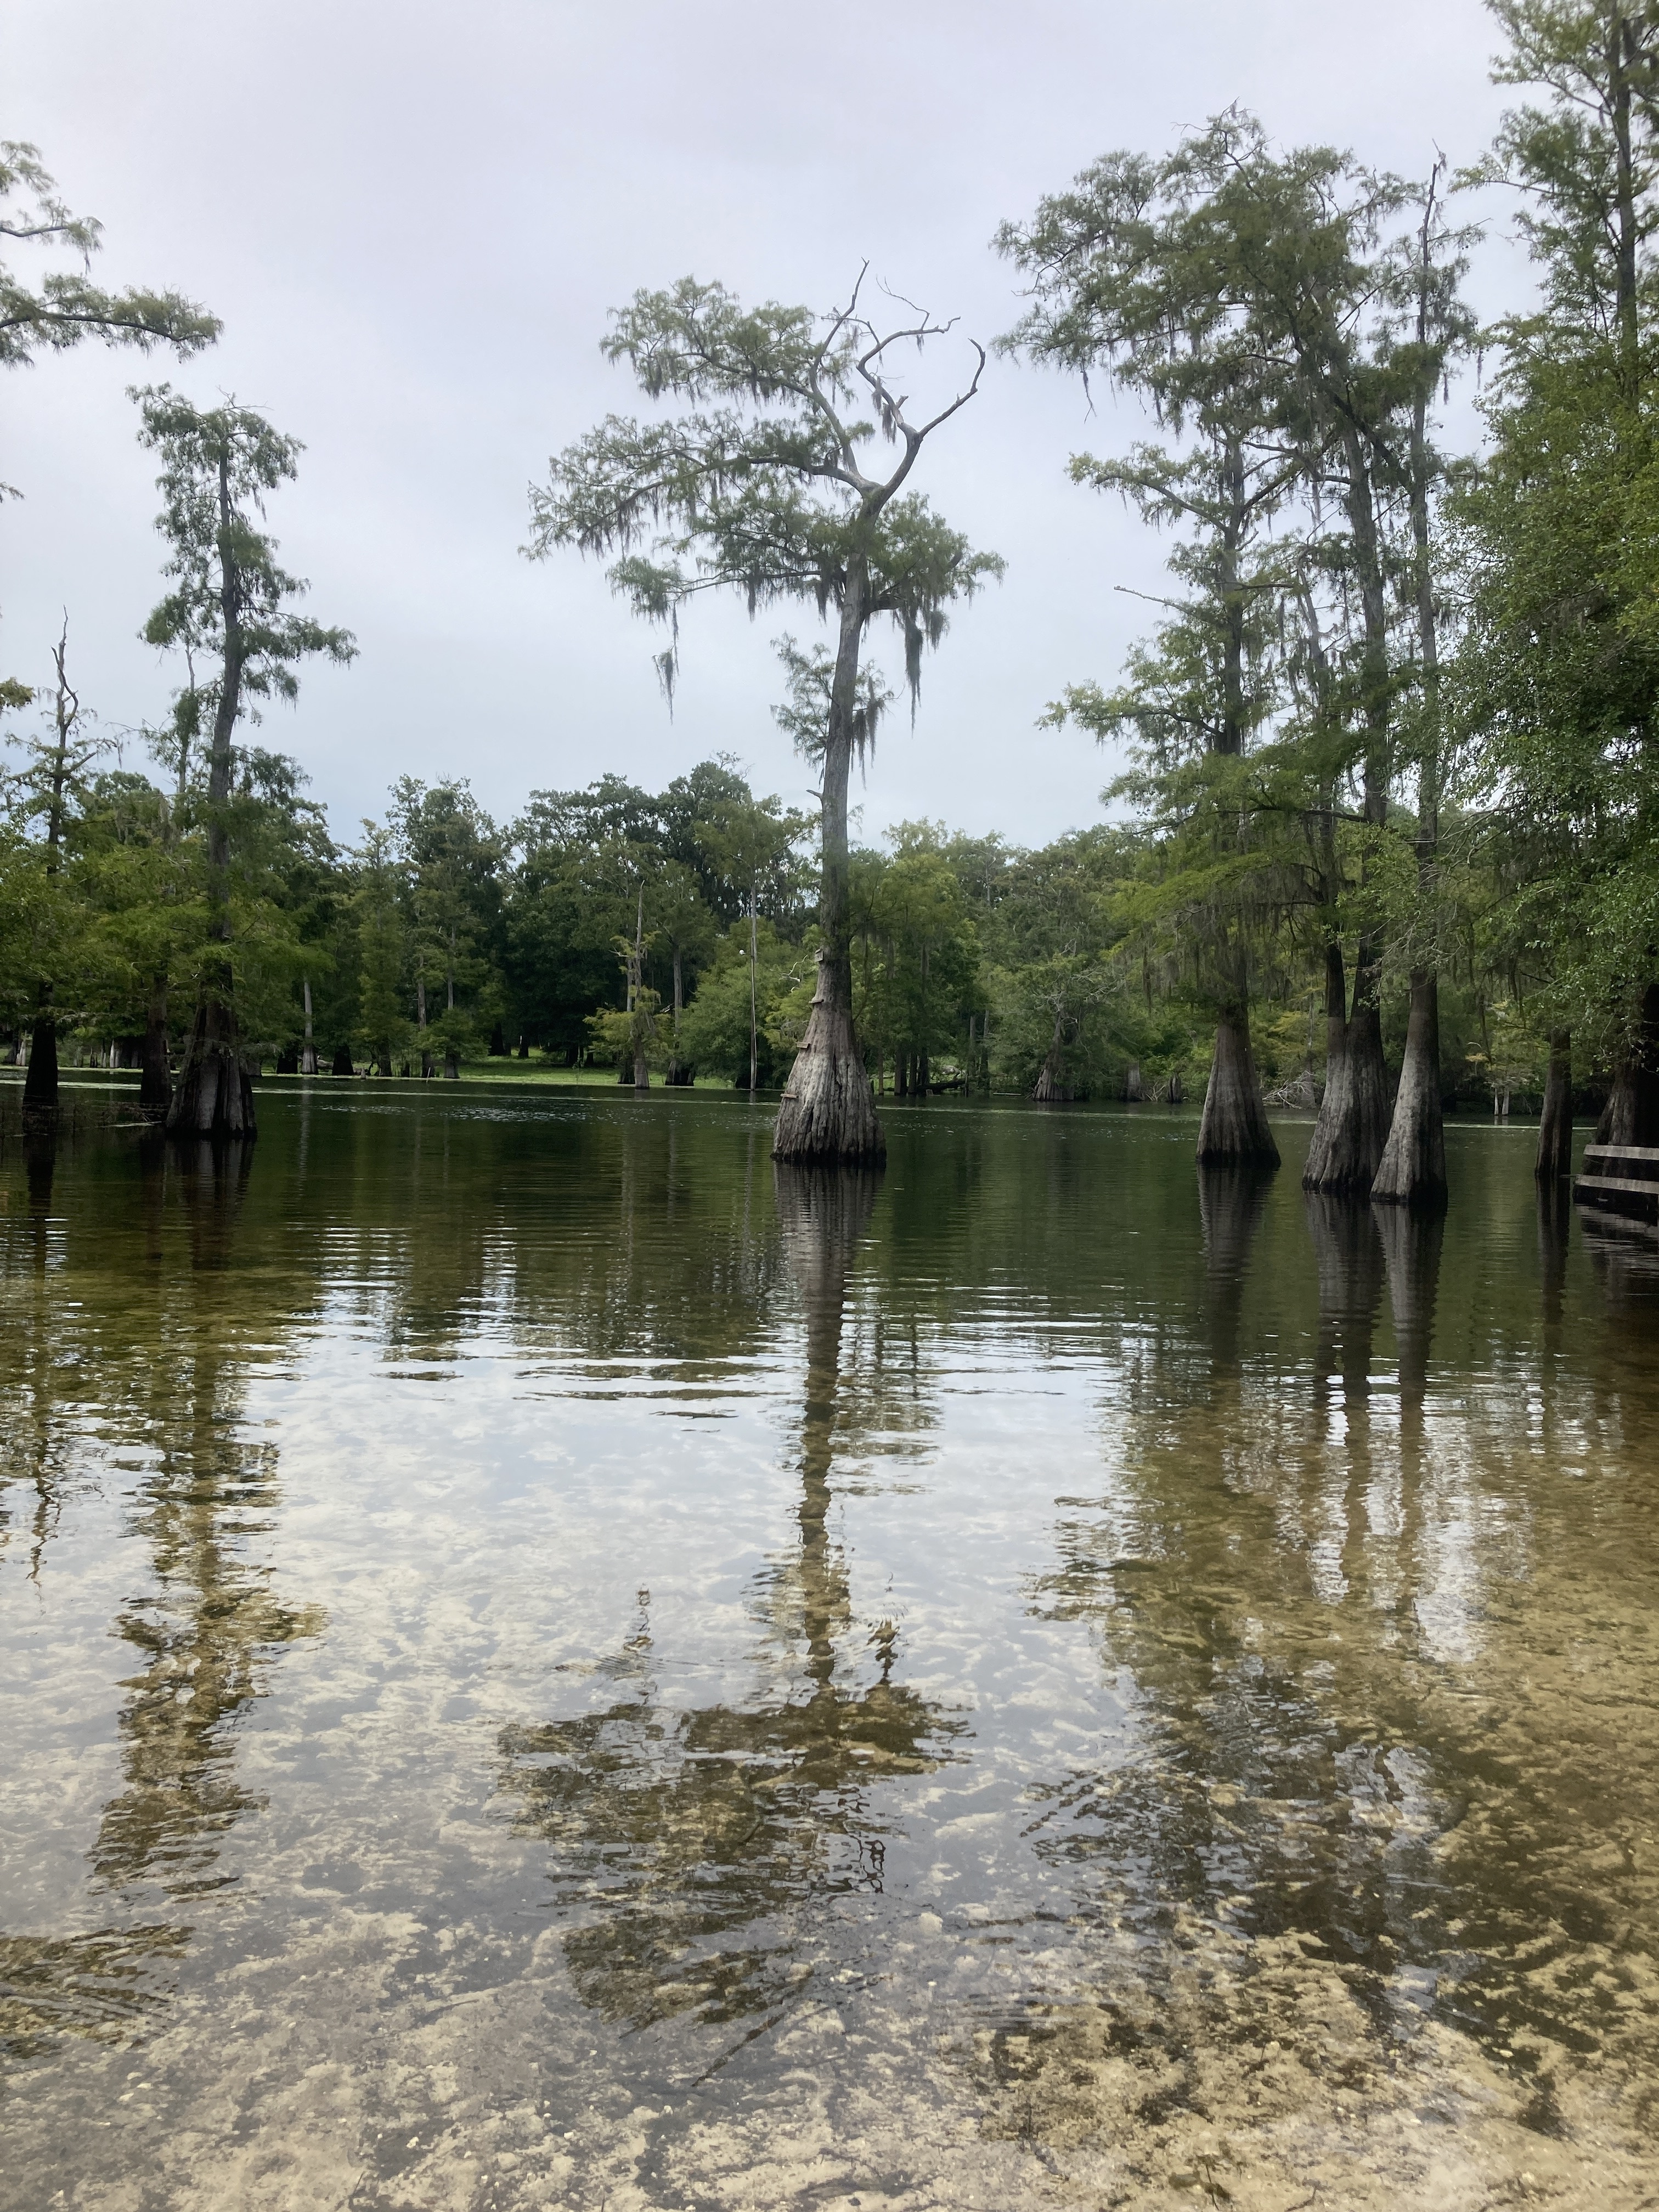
[229,605]
[765,488]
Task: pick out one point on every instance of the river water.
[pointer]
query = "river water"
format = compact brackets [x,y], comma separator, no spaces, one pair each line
[546,1663]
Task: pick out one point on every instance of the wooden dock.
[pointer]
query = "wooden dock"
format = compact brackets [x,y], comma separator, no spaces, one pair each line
[1620,1179]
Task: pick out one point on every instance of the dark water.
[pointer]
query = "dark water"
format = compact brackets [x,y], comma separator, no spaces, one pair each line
[543,1662]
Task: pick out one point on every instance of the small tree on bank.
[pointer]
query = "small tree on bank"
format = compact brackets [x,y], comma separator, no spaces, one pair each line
[229,604]
[764,493]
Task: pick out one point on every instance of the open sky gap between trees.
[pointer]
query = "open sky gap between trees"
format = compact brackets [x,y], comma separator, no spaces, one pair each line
[1385,839]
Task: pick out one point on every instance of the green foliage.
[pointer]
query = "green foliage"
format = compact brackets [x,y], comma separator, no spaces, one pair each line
[761,491]
[65,306]
[916,952]
[714,1031]
[1557,683]
[219,465]
[383,1027]
[634,1033]
[697,853]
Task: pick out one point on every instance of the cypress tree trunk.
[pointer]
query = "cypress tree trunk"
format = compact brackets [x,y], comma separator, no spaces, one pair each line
[827,1110]
[1050,1087]
[1413,1168]
[1555,1124]
[1631,1116]
[678,1075]
[1353,1116]
[215,1096]
[155,1082]
[309,1053]
[1353,1127]
[1348,1257]
[1235,1124]
[1333,1106]
[1234,1128]
[1412,1247]
[41,1084]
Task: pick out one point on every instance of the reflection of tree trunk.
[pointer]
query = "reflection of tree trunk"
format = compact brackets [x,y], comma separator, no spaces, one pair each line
[1411,1243]
[40,1166]
[823,1212]
[1554,1159]
[1235,1123]
[1230,1197]
[1413,1168]
[1554,1214]
[692,1872]
[207,1633]
[1348,1255]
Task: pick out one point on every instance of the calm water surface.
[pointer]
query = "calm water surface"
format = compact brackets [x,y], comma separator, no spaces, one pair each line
[546,1663]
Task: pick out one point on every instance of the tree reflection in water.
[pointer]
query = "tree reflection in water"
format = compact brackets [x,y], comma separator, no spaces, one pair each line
[1259,1863]
[206,1634]
[695,1845]
[212,1623]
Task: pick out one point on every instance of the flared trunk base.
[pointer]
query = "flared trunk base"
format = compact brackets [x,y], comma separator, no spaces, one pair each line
[1234,1130]
[1352,1127]
[215,1095]
[828,1111]
[1413,1168]
[40,1083]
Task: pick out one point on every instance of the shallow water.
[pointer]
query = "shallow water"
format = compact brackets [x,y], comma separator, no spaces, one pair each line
[545,1662]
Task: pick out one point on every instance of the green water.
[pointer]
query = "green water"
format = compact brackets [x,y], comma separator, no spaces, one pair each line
[543,1662]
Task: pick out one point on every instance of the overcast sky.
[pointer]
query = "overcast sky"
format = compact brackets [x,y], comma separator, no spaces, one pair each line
[412,219]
